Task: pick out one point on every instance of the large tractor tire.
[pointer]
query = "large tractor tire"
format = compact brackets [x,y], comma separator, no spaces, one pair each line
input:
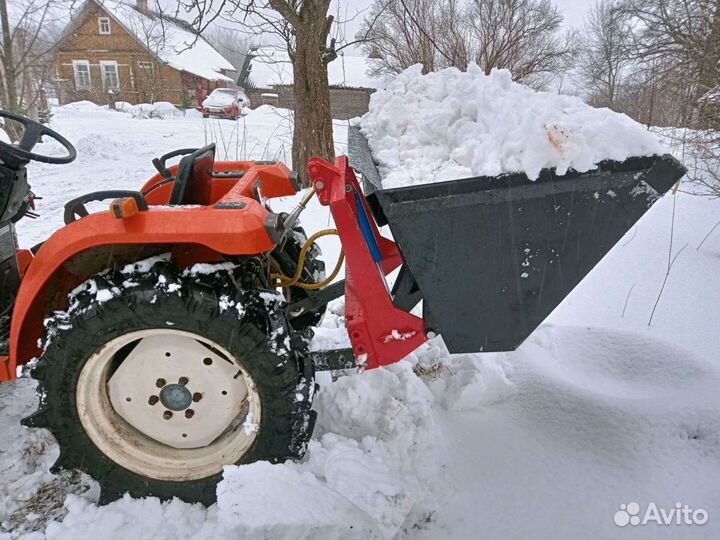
[286,255]
[152,382]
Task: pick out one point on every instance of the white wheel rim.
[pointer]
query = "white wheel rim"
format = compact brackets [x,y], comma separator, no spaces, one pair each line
[179,407]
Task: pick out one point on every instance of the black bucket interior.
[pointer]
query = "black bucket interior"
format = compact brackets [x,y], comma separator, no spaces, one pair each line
[491,257]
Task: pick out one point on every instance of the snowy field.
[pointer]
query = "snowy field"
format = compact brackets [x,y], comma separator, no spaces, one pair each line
[599,408]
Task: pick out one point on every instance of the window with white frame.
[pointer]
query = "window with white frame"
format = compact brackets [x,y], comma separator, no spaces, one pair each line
[81,69]
[104,25]
[110,77]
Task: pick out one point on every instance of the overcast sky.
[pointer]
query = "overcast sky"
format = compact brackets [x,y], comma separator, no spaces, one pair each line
[573,11]
[353,11]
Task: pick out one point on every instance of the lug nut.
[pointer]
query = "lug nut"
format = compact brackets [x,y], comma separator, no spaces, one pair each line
[152,400]
[189,413]
[183,380]
[197,396]
[207,361]
[160,383]
[167,415]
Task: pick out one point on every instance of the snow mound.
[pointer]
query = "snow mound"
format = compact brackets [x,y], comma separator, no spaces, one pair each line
[370,472]
[598,415]
[451,124]
[123,106]
[84,106]
[99,146]
[159,109]
[37,449]
[263,110]
[574,410]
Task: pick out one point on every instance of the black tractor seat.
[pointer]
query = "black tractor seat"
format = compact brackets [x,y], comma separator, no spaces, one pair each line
[196,161]
[189,168]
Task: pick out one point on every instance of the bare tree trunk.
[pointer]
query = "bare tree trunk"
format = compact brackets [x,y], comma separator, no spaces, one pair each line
[10,99]
[310,55]
[304,26]
[312,132]
[28,94]
[709,76]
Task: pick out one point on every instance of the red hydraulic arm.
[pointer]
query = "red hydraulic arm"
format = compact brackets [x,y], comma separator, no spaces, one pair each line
[380,333]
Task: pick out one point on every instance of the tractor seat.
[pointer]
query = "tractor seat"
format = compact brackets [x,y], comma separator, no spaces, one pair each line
[193,167]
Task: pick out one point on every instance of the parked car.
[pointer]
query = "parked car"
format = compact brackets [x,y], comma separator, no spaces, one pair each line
[225,103]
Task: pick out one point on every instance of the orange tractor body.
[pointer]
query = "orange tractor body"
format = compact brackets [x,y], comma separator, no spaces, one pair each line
[220,215]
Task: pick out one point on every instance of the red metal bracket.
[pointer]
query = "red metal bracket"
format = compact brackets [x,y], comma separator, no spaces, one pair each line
[380,333]
[5,374]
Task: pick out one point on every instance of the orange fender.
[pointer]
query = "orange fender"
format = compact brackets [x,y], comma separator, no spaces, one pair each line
[230,222]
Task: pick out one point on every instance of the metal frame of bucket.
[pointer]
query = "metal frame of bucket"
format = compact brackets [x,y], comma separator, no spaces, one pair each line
[491,257]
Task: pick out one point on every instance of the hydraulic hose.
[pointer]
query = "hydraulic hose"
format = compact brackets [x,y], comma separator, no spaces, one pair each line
[294,281]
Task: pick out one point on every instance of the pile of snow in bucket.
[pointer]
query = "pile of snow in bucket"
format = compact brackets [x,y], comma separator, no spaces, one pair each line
[451,124]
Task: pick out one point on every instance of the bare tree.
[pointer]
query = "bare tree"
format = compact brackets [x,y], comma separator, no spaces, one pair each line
[685,33]
[455,39]
[25,58]
[523,36]
[606,53]
[401,33]
[676,47]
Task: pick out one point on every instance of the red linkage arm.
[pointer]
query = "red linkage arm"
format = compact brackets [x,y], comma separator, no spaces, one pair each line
[380,333]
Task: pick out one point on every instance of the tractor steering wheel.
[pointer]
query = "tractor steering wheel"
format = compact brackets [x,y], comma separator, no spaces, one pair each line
[32,131]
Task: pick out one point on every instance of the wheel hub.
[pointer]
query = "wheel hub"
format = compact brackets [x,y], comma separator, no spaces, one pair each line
[178,391]
[176,397]
[118,397]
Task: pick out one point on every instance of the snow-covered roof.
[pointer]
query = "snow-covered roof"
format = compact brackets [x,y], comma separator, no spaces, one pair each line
[166,38]
[270,66]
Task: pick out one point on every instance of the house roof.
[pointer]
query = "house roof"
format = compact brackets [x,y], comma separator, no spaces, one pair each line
[270,66]
[169,40]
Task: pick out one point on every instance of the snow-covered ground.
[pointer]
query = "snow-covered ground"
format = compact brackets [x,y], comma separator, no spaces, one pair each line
[599,408]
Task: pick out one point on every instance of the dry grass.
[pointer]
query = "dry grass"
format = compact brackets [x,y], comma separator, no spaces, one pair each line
[47,504]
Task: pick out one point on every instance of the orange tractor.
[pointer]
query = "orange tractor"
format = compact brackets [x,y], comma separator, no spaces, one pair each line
[169,334]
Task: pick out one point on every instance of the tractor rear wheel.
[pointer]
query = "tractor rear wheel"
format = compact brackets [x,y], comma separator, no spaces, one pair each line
[152,382]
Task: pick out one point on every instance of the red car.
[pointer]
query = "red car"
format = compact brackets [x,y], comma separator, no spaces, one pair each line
[225,103]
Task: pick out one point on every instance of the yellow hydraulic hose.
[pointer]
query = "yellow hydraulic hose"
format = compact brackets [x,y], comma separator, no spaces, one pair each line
[294,281]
